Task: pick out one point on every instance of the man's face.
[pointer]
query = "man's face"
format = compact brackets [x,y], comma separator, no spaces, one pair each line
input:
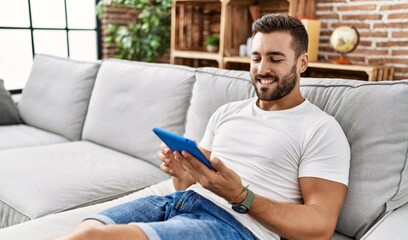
[274,69]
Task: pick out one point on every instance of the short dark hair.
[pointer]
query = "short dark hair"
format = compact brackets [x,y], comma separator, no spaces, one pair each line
[284,23]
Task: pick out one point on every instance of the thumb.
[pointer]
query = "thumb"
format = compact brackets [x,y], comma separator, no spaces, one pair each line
[218,165]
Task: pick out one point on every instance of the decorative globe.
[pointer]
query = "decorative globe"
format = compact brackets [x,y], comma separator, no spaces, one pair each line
[344,39]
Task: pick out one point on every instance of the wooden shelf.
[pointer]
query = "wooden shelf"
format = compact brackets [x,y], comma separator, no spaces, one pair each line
[374,73]
[197,55]
[192,21]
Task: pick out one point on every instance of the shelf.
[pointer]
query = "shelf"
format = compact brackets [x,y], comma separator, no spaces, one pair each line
[197,55]
[193,21]
[374,73]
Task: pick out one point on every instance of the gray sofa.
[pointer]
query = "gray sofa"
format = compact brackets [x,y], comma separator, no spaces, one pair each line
[85,141]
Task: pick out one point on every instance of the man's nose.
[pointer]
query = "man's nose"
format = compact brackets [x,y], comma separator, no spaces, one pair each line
[264,67]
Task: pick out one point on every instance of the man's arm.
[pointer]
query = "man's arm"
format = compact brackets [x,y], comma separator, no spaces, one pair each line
[316,218]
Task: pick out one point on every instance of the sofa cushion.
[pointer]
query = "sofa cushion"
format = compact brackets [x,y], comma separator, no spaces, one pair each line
[8,109]
[214,87]
[47,179]
[57,94]
[21,135]
[56,225]
[374,117]
[130,98]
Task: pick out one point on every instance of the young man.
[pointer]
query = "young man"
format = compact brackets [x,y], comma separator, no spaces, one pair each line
[281,163]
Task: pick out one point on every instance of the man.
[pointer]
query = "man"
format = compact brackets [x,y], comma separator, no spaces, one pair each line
[281,163]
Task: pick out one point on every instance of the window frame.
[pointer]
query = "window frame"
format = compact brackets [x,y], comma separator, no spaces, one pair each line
[66,29]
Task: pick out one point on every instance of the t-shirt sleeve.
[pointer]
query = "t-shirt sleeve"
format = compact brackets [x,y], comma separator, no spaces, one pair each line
[327,154]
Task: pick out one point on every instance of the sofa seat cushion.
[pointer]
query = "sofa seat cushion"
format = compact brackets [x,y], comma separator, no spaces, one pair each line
[47,179]
[374,117]
[214,87]
[17,136]
[131,98]
[55,225]
[57,94]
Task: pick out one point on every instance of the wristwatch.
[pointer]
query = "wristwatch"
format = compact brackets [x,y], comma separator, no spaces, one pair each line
[246,204]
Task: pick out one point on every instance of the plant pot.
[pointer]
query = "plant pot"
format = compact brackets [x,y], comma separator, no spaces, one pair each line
[212,48]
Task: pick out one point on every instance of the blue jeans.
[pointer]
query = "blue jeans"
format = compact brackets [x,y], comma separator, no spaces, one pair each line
[181,215]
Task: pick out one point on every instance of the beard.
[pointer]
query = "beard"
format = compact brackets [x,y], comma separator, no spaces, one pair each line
[285,86]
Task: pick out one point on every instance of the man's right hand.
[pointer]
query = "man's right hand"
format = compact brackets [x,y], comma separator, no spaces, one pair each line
[171,166]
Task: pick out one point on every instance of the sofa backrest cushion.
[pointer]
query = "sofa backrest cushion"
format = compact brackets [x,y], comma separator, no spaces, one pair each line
[374,117]
[214,87]
[130,98]
[57,94]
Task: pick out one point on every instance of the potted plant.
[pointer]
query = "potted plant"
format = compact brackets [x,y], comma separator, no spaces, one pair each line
[212,43]
[143,40]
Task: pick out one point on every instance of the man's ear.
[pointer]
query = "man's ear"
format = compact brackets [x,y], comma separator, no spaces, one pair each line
[303,61]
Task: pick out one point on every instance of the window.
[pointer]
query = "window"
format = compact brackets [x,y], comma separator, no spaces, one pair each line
[66,28]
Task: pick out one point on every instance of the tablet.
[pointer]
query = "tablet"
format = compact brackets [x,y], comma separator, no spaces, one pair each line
[179,143]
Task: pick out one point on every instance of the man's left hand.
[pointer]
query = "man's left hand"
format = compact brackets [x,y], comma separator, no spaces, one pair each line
[224,182]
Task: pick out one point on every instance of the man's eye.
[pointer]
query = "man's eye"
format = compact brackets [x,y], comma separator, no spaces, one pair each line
[255,59]
[276,60]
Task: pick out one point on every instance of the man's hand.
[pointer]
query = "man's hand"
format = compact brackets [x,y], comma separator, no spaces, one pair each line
[171,166]
[224,182]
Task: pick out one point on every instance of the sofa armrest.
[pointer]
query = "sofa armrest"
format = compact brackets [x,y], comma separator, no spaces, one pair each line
[393,225]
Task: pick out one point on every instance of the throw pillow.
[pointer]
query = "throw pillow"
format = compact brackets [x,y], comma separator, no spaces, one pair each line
[8,109]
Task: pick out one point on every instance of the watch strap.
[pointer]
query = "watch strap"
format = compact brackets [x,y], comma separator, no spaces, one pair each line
[248,199]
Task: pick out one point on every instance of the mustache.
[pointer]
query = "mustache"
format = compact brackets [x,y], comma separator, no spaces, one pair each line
[267,75]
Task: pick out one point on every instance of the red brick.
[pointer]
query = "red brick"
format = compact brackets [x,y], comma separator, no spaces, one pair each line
[362,17]
[399,52]
[357,7]
[370,51]
[390,25]
[400,35]
[373,34]
[394,6]
[398,16]
[327,16]
[357,25]
[365,43]
[392,44]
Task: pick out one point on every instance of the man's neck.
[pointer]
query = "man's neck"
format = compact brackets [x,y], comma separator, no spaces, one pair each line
[284,103]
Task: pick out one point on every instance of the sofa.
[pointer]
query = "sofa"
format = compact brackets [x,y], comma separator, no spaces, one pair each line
[80,140]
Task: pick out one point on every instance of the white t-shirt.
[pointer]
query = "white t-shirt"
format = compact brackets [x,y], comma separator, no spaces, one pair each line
[270,150]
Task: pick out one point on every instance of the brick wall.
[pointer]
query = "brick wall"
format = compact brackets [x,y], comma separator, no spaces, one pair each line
[383,28]
[115,15]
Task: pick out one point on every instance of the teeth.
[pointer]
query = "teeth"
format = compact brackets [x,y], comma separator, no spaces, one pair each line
[266,81]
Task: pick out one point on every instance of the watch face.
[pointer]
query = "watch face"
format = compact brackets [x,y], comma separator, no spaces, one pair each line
[240,208]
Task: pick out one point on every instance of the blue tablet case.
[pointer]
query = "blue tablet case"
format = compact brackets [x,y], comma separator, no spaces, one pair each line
[179,143]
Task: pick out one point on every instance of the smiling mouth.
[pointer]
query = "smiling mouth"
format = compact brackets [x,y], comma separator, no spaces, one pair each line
[267,81]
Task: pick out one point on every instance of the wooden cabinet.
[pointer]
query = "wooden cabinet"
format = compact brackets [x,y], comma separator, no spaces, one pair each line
[230,20]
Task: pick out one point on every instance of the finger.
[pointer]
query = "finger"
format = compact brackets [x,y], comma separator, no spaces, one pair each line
[164,148]
[164,168]
[222,169]
[218,165]
[163,158]
[196,168]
